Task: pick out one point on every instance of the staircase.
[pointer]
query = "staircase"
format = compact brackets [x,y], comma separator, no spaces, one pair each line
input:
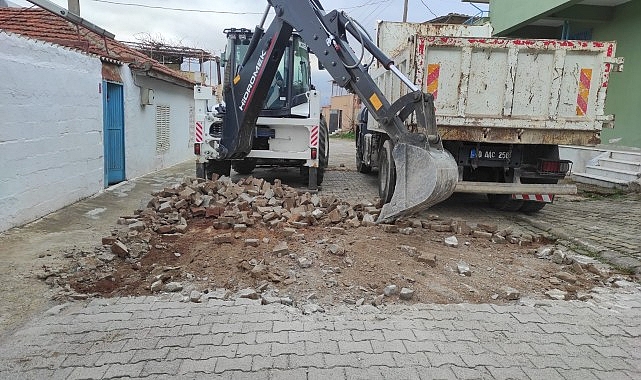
[612,169]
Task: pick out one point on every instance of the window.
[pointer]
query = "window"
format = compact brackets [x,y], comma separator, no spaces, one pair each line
[162,128]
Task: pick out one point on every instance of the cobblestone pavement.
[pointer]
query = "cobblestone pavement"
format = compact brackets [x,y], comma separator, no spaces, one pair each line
[162,337]
[607,227]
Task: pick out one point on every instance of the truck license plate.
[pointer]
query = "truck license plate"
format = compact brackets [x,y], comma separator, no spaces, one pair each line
[491,154]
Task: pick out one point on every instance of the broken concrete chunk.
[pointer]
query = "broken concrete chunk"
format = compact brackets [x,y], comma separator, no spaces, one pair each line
[451,241]
[120,249]
[556,294]
[173,287]
[281,249]
[510,293]
[390,290]
[406,294]
[427,258]
[463,268]
[224,238]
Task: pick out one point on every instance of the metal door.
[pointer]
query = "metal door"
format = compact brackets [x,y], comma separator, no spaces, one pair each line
[114,132]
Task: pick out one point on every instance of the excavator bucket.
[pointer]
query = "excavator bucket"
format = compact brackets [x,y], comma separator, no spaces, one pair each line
[424,177]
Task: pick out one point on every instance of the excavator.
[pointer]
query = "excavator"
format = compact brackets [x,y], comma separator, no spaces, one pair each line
[415,171]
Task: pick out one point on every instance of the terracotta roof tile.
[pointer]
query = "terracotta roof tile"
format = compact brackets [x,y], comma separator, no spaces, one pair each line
[42,25]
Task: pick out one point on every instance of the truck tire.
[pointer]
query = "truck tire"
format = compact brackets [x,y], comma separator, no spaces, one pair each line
[220,167]
[323,150]
[530,207]
[386,172]
[200,170]
[360,165]
[504,202]
[245,166]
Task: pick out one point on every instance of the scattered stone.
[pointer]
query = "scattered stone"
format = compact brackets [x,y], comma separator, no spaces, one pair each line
[451,241]
[406,294]
[338,230]
[488,227]
[173,287]
[427,258]
[281,249]
[195,296]
[411,251]
[224,239]
[556,294]
[240,227]
[251,242]
[310,308]
[389,228]
[335,249]
[390,290]
[463,268]
[378,300]
[567,277]
[510,293]
[482,234]
[156,286]
[109,240]
[304,262]
[558,256]
[120,249]
[406,231]
[218,294]
[368,220]
[248,293]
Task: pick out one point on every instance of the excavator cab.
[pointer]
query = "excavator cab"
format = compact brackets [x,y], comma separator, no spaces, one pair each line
[287,94]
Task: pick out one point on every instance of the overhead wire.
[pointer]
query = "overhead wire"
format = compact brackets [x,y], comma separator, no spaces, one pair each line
[175,9]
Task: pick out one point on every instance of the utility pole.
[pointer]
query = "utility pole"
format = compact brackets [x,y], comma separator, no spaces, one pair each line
[405,11]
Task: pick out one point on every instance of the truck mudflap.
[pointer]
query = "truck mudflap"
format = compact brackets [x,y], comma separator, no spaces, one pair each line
[544,198]
[424,177]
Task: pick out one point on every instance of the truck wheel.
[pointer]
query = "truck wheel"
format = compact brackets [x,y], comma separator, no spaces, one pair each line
[386,172]
[360,165]
[504,202]
[220,167]
[530,207]
[323,151]
[245,166]
[200,170]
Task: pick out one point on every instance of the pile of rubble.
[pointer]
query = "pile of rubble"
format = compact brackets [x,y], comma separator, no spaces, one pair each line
[246,203]
[254,202]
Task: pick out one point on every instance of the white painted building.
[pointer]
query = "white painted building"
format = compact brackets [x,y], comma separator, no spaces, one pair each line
[50,130]
[76,120]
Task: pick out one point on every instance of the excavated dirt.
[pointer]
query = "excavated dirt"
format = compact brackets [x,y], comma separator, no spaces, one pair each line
[372,260]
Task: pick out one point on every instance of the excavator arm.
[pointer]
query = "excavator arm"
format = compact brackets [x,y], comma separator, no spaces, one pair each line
[424,173]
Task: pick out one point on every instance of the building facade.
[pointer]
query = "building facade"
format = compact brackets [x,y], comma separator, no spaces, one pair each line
[80,112]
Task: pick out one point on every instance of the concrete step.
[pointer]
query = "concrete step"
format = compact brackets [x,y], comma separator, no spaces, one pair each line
[625,156]
[620,164]
[622,175]
[600,181]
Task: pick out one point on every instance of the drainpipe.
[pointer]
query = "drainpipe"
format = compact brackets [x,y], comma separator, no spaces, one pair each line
[74,6]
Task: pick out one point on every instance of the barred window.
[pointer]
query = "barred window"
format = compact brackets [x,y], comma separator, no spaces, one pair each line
[162,128]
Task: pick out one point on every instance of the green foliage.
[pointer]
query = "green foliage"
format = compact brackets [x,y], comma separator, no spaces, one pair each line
[344,135]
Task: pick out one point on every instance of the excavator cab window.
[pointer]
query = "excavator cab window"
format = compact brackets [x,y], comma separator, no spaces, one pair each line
[301,76]
[277,94]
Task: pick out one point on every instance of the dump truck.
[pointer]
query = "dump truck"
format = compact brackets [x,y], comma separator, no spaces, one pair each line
[503,105]
[250,124]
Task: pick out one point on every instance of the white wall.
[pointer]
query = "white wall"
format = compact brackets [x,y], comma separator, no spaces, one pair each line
[51,148]
[141,156]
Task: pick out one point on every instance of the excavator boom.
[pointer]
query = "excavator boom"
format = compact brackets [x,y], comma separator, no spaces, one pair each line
[420,173]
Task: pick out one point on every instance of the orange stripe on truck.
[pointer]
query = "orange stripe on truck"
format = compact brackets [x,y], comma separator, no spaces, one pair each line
[433,71]
[584,92]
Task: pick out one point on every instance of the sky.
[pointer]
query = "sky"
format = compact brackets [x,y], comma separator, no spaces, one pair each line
[200,23]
